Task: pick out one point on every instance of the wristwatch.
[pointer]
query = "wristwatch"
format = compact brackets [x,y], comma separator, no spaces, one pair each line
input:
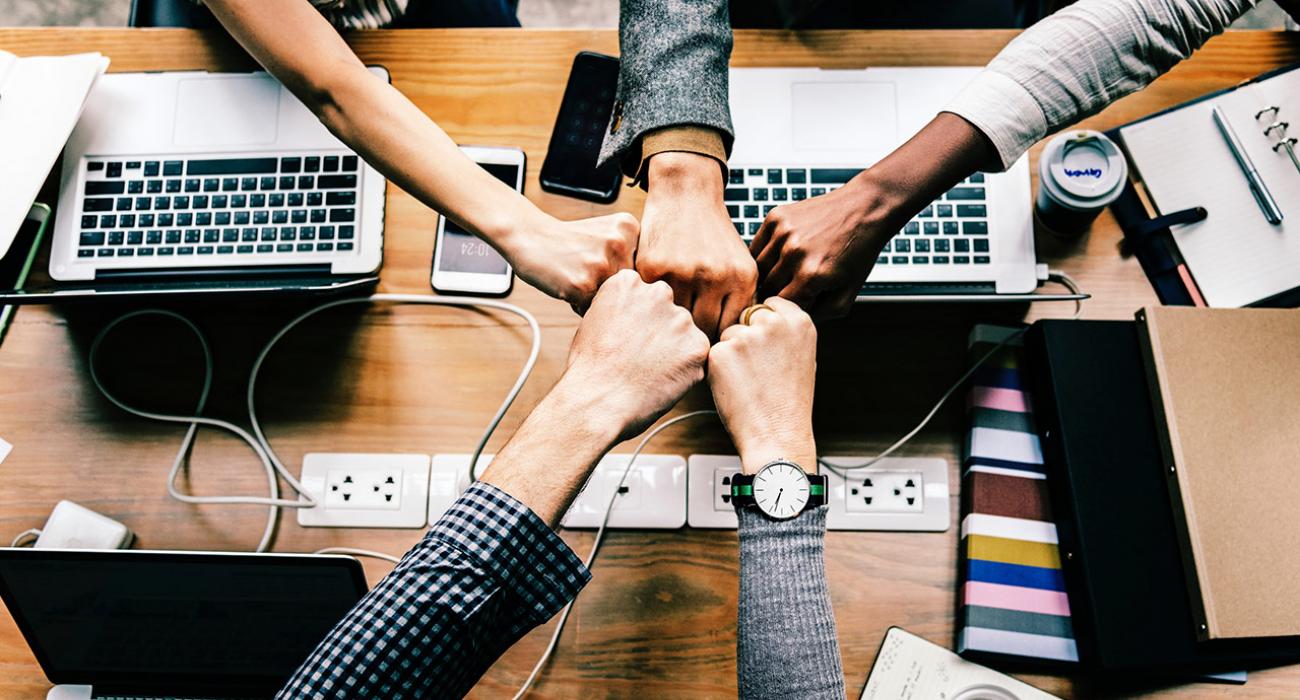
[780,490]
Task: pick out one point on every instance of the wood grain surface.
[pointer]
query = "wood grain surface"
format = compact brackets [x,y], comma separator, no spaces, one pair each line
[658,619]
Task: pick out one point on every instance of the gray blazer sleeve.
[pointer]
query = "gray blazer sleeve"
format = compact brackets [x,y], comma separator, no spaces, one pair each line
[675,56]
[786,645]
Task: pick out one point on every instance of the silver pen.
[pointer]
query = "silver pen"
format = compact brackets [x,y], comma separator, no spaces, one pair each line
[1266,202]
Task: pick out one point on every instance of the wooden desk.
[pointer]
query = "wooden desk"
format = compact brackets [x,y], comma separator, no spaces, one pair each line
[658,619]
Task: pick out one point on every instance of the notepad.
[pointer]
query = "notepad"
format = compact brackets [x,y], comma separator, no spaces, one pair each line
[1226,384]
[40,100]
[1235,256]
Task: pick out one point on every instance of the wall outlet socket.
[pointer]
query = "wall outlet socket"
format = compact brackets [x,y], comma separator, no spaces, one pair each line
[654,496]
[365,490]
[876,498]
[448,479]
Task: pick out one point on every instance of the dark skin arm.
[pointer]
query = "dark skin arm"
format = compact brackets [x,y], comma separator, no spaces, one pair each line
[817,252]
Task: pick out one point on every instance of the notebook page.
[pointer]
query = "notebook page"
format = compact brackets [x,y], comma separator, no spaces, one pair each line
[1235,255]
[40,100]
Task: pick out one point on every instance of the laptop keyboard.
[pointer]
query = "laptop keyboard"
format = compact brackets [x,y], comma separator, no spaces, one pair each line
[254,207]
[954,230]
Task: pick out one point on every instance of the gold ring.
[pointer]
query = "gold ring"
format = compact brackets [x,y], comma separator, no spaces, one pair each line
[744,315]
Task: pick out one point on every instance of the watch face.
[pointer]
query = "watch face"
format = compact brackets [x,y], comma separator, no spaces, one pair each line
[781,490]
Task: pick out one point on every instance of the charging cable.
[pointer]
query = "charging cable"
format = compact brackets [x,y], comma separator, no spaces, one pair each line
[257,441]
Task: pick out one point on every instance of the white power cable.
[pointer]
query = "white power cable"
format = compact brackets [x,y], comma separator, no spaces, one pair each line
[840,469]
[595,545]
[358,553]
[20,540]
[258,441]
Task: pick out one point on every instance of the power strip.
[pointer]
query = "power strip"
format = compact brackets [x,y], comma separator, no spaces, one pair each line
[654,496]
[897,494]
[366,490]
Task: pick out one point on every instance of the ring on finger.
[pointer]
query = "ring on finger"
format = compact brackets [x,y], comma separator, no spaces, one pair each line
[749,311]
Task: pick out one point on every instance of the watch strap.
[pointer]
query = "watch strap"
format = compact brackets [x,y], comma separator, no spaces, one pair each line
[741,493]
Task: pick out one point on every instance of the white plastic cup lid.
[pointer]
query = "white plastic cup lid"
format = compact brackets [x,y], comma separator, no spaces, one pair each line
[1083,169]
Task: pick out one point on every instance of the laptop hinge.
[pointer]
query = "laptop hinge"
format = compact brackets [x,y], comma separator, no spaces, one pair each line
[200,273]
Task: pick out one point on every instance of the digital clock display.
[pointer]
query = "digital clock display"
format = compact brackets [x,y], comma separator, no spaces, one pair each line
[463,251]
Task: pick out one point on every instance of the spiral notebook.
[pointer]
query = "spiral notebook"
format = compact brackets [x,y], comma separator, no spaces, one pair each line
[1235,257]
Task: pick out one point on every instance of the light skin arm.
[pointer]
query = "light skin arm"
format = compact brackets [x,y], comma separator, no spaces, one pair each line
[818,252]
[634,355]
[300,48]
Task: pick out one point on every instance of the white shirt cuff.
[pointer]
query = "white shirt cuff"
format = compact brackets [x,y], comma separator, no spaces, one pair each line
[1004,110]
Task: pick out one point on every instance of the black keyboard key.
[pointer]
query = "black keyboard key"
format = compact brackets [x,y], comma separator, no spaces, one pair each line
[332,182]
[135,187]
[126,220]
[961,245]
[305,247]
[331,164]
[941,260]
[756,172]
[261,217]
[95,165]
[192,236]
[886,248]
[288,233]
[798,194]
[317,216]
[290,165]
[898,260]
[151,169]
[105,252]
[92,238]
[162,203]
[145,220]
[284,248]
[307,233]
[345,247]
[311,164]
[113,170]
[275,200]
[735,177]
[977,178]
[981,245]
[972,211]
[222,218]
[903,245]
[205,250]
[185,219]
[125,252]
[817,191]
[108,221]
[116,238]
[315,199]
[950,228]
[173,186]
[965,193]
[220,201]
[199,201]
[326,247]
[85,253]
[241,218]
[172,168]
[774,177]
[154,186]
[244,249]
[232,166]
[173,237]
[740,227]
[298,216]
[153,237]
[943,211]
[796,176]
[265,248]
[94,187]
[349,164]
[211,235]
[89,221]
[751,211]
[238,201]
[981,259]
[248,235]
[780,194]
[143,204]
[326,233]
[133,165]
[181,202]
[927,213]
[767,209]
[961,259]
[268,234]
[185,250]
[280,216]
[347,233]
[135,237]
[229,184]
[287,182]
[225,249]
[346,199]
[833,176]
[759,194]
[912,228]
[98,204]
[337,215]
[735,194]
[975,228]
[307,182]
[941,245]
[248,183]
[931,228]
[166,250]
[267,183]
[211,184]
[733,211]
[165,219]
[922,245]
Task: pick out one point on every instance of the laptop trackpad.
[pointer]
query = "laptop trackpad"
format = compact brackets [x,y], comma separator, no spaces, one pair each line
[227,111]
[857,116]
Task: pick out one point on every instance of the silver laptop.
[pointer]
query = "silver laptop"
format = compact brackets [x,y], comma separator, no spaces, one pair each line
[115,624]
[179,175]
[802,132]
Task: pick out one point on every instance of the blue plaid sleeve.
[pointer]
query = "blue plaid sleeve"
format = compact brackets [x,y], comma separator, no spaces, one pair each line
[486,573]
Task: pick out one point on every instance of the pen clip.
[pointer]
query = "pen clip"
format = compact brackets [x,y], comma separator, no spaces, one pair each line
[1178,218]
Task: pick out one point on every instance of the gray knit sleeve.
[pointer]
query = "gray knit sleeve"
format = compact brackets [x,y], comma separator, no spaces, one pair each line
[786,645]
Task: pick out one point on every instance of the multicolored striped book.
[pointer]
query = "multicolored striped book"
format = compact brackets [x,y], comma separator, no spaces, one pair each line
[1012,601]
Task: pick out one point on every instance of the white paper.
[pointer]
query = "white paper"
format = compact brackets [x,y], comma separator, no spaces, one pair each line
[40,101]
[1235,255]
[911,668]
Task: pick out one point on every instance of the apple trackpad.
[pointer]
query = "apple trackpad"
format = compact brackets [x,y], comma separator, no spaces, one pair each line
[227,111]
[859,119]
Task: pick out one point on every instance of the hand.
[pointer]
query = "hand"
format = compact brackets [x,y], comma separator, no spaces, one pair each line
[570,259]
[762,379]
[635,353]
[689,242]
[818,252]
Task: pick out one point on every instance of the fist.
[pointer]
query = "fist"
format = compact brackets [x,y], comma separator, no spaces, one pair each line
[570,259]
[762,378]
[635,351]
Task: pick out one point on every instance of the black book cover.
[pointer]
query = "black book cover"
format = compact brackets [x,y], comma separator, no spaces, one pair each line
[1115,522]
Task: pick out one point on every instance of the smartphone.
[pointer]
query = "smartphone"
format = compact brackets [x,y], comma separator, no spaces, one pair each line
[17,262]
[570,165]
[464,263]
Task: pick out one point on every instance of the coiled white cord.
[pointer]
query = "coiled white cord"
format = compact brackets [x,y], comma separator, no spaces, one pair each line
[257,441]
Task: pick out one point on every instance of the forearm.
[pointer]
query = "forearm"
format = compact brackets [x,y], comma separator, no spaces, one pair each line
[372,117]
[786,641]
[1074,63]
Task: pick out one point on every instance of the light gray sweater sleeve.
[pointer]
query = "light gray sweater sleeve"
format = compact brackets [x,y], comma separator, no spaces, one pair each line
[1080,59]
[674,70]
[786,645]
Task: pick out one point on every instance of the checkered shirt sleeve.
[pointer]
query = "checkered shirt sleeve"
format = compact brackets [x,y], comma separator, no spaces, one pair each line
[487,572]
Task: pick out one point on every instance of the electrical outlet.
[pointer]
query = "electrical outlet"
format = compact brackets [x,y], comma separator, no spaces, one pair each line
[867,501]
[653,496]
[448,479]
[365,490]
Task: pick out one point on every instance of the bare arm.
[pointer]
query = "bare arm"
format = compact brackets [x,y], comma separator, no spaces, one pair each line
[301,49]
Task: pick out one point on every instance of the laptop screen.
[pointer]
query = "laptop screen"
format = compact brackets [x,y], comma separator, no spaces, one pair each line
[159,621]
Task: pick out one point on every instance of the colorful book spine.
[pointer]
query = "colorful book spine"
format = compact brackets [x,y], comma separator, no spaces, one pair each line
[1012,599]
